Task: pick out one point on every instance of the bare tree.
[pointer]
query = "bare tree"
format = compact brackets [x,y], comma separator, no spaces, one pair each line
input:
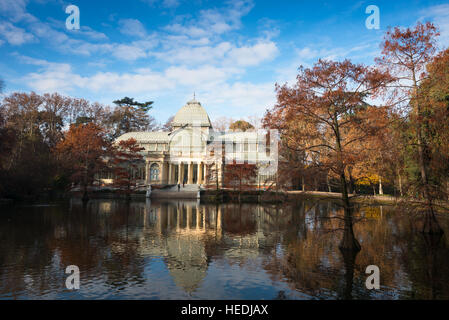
[222,123]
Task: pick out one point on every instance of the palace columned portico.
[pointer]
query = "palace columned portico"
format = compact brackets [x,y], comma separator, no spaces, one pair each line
[193,152]
[187,172]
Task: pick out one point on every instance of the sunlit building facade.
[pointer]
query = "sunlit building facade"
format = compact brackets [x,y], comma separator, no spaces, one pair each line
[194,153]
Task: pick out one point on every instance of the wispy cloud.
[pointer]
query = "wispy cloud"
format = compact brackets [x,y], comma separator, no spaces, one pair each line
[212,21]
[132,27]
[14,35]
[440,16]
[163,3]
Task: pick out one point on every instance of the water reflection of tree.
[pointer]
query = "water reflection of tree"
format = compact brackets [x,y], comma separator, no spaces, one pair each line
[312,262]
[425,258]
[48,242]
[310,255]
[238,219]
[296,243]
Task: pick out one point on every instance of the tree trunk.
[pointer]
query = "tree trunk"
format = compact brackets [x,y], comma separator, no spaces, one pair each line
[85,197]
[349,262]
[431,225]
[328,184]
[447,189]
[348,242]
[400,184]
[381,191]
[351,182]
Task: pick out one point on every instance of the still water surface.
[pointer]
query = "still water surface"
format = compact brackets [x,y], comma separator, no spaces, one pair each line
[187,250]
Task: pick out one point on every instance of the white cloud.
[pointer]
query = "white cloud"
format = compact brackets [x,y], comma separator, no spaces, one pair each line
[132,27]
[242,98]
[203,77]
[60,77]
[56,77]
[194,55]
[170,3]
[89,32]
[15,10]
[253,55]
[223,53]
[164,3]
[14,35]
[126,52]
[440,16]
[212,21]
[128,83]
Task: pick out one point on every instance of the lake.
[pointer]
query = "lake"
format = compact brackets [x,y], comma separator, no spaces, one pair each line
[187,250]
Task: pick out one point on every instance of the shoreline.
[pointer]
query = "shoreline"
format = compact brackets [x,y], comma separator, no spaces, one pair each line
[226,196]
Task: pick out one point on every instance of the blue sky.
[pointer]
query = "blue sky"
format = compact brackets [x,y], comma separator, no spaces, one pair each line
[231,53]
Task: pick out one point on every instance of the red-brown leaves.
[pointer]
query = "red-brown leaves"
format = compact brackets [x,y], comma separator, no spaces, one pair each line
[409,48]
[127,159]
[83,151]
[239,175]
[325,116]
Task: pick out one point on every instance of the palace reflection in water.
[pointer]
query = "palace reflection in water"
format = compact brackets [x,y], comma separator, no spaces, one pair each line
[182,249]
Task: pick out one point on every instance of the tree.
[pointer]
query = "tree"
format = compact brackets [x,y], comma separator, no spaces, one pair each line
[23,112]
[434,93]
[239,176]
[55,111]
[83,152]
[130,115]
[30,127]
[126,160]
[241,125]
[222,123]
[168,126]
[255,121]
[27,165]
[405,53]
[325,116]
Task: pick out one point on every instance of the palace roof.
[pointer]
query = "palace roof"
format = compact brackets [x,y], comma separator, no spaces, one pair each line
[143,137]
[192,114]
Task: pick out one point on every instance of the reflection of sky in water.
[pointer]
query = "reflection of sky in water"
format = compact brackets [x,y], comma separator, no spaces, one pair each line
[183,250]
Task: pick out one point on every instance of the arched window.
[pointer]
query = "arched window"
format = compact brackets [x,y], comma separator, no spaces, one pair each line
[154,172]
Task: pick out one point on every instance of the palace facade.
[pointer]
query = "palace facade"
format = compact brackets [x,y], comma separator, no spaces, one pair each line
[194,153]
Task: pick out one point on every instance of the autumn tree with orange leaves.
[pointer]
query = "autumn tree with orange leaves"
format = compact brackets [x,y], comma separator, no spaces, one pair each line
[126,161]
[325,115]
[239,176]
[405,53]
[434,93]
[82,152]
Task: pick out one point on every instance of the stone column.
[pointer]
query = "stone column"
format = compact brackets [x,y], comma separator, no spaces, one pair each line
[218,223]
[170,173]
[179,173]
[220,174]
[169,211]
[200,173]
[203,210]
[182,172]
[162,173]
[189,217]
[198,218]
[190,173]
[147,171]
[178,217]
[205,174]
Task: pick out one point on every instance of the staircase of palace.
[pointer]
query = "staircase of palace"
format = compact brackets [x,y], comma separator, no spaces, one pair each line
[189,191]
